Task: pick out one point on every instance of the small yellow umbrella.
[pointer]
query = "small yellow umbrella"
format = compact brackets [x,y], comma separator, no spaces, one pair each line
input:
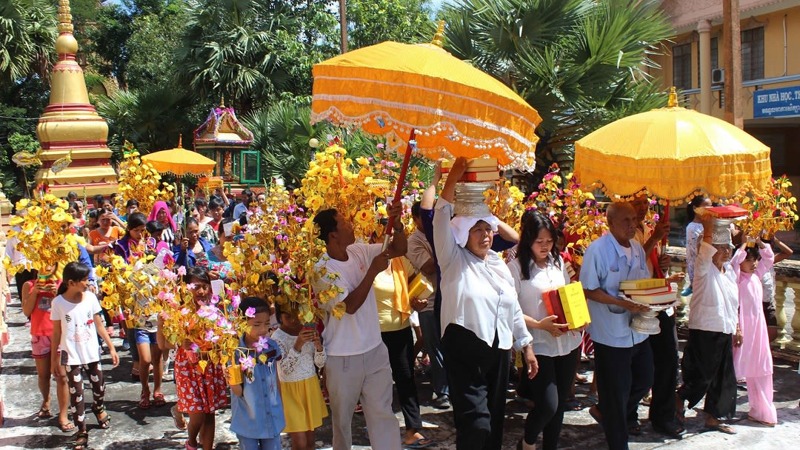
[180,161]
[393,89]
[673,153]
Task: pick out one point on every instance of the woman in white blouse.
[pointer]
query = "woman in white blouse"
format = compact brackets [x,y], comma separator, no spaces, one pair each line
[481,319]
[539,268]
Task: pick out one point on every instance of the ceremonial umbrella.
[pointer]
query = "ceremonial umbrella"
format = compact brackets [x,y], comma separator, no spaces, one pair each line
[180,161]
[673,153]
[423,97]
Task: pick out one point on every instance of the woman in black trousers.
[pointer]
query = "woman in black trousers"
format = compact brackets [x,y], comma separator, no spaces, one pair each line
[537,269]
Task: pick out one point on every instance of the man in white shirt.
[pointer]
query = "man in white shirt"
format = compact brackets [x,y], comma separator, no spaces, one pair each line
[707,363]
[358,361]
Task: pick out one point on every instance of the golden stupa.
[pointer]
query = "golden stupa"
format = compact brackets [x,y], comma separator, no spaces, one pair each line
[70,126]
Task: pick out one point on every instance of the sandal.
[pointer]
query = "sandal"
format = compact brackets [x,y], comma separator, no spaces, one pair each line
[419,443]
[760,422]
[44,413]
[177,416]
[103,418]
[81,441]
[721,427]
[144,400]
[66,427]
[158,399]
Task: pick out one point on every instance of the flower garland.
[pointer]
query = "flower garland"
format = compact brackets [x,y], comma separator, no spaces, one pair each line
[43,235]
[138,180]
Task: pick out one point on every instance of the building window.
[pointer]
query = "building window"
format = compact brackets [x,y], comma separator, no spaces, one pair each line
[753,54]
[682,66]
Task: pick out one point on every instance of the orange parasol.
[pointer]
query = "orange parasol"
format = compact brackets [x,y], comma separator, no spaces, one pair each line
[423,98]
[180,161]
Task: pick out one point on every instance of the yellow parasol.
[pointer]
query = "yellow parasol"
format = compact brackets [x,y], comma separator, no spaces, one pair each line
[180,161]
[673,153]
[393,89]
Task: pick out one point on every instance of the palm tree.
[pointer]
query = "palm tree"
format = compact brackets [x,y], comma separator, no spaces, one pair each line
[249,50]
[282,133]
[27,38]
[580,63]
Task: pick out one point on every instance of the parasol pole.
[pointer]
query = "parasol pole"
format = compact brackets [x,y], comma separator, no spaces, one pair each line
[401,180]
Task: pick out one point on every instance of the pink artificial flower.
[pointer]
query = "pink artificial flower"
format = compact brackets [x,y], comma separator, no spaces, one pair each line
[247,362]
[181,271]
[262,344]
[250,312]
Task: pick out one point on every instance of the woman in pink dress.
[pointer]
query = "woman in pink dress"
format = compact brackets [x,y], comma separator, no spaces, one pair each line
[752,357]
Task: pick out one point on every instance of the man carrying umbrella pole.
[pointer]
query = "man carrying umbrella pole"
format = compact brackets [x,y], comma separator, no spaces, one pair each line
[623,358]
[358,361]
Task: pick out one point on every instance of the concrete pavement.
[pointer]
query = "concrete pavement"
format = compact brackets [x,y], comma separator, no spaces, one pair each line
[134,429]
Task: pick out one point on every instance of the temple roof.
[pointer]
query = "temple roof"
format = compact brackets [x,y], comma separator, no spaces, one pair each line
[222,130]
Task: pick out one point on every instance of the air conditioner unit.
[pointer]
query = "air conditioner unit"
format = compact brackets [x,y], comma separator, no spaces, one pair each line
[717,76]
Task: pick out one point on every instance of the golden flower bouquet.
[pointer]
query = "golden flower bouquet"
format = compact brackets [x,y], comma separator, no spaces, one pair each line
[772,208]
[138,180]
[211,330]
[506,202]
[132,286]
[575,208]
[43,235]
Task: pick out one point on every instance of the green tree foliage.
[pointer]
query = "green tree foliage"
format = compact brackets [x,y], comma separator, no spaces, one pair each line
[375,21]
[27,35]
[250,50]
[155,37]
[282,133]
[580,63]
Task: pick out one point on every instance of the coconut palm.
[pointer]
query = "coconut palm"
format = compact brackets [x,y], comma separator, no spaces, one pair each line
[27,34]
[281,134]
[580,63]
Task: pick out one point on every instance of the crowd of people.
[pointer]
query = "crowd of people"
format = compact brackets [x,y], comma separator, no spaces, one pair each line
[485,307]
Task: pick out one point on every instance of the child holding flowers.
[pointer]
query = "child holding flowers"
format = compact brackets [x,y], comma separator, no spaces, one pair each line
[257,415]
[75,314]
[37,297]
[302,350]
[199,385]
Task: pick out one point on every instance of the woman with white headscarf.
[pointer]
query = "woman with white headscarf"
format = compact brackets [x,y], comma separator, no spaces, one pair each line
[481,319]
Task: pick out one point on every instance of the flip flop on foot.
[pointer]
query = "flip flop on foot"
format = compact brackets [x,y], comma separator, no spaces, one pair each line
[177,416]
[419,443]
[66,427]
[760,422]
[721,427]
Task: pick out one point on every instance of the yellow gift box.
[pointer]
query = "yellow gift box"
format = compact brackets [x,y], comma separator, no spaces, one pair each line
[576,311]
[419,287]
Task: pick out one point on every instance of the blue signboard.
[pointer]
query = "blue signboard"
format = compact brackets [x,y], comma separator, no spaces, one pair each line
[780,102]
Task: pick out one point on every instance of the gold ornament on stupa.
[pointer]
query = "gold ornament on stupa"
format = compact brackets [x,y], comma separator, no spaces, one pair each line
[70,128]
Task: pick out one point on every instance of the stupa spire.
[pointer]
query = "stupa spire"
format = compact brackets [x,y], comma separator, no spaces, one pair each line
[70,124]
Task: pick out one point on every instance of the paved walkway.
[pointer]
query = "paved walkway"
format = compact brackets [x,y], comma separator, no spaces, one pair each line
[133,428]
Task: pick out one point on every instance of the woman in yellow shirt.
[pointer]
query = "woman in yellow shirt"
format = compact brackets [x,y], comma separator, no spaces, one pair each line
[394,311]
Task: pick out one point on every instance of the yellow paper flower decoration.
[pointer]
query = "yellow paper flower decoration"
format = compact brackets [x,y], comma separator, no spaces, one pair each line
[138,180]
[44,235]
[772,208]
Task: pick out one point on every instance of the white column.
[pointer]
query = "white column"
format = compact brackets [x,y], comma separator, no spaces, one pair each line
[704,28]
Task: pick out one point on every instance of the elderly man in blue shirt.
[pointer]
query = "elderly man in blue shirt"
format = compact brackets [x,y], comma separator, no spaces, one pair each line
[623,357]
